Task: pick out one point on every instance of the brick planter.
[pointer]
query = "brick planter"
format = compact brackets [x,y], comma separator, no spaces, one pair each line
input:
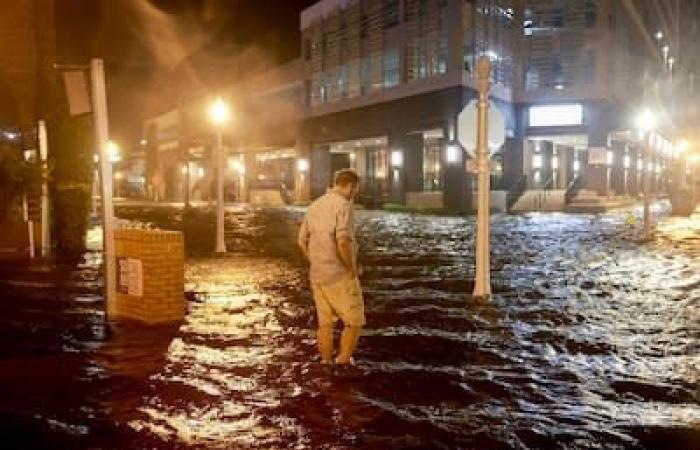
[150,276]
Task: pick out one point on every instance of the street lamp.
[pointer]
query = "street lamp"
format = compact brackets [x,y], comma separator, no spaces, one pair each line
[219,114]
[645,124]
[113,152]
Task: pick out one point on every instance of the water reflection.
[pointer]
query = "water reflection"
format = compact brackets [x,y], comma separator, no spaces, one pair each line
[590,341]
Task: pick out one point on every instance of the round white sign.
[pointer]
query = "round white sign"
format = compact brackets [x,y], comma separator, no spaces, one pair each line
[466,127]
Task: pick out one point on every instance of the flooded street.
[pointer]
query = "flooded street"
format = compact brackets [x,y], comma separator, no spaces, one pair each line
[591,341]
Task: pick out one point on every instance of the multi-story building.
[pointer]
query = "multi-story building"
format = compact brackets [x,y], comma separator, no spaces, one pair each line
[385,80]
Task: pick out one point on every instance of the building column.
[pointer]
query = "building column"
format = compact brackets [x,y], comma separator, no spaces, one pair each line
[598,137]
[631,172]
[302,183]
[320,176]
[251,174]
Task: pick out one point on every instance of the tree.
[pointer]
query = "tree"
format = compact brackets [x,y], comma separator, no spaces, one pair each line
[72,161]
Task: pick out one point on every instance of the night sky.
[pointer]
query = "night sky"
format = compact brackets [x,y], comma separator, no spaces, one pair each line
[146,42]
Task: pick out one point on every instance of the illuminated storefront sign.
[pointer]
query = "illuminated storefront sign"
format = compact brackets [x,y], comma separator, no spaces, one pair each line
[556,115]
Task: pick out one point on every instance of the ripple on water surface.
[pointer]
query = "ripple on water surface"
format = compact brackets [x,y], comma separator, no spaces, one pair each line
[589,342]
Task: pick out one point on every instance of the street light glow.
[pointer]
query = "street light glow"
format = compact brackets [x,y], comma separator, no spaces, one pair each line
[452,153]
[397,158]
[682,146]
[646,121]
[219,112]
[303,165]
[113,152]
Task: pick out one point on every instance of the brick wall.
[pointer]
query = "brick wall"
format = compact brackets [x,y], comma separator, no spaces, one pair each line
[162,261]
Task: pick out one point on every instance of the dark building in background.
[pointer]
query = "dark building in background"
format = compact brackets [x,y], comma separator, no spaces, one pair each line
[386,79]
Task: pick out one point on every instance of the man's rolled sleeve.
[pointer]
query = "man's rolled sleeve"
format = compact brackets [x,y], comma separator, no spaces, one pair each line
[303,238]
[344,225]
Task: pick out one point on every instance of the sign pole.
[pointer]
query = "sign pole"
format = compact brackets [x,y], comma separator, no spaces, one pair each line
[482,285]
[45,218]
[99,107]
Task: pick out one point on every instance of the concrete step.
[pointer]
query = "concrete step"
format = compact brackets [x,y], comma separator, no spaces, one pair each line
[540,200]
[592,203]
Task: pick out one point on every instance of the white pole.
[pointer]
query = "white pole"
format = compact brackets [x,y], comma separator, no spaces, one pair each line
[45,217]
[482,285]
[647,182]
[220,242]
[30,226]
[99,107]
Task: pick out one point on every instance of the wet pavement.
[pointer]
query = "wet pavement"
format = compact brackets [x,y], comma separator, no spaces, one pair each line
[590,342]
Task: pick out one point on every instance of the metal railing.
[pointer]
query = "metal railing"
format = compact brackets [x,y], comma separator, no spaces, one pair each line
[540,199]
[515,192]
[573,189]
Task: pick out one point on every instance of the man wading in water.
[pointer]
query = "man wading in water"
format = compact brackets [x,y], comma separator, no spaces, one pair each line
[327,238]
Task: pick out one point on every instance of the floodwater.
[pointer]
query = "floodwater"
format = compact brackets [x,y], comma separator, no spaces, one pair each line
[589,342]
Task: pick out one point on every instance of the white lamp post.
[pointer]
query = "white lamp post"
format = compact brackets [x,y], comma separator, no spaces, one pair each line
[219,113]
[645,124]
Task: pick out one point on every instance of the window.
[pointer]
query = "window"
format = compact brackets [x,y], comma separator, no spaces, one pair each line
[591,13]
[432,165]
[377,164]
[365,72]
[342,82]
[319,89]
[307,49]
[442,56]
[392,74]
[391,13]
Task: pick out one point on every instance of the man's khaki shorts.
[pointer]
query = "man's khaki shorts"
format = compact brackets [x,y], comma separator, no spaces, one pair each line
[343,299]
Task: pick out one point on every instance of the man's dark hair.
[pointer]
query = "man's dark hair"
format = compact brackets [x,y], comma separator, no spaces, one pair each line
[344,177]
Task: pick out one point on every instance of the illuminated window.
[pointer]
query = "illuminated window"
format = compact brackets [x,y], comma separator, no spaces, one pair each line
[392,71]
[397,158]
[432,173]
[377,163]
[556,115]
[536,161]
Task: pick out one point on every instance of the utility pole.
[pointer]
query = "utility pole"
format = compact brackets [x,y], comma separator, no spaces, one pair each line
[99,107]
[482,285]
[220,241]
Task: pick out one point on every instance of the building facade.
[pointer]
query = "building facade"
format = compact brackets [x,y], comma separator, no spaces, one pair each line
[259,142]
[386,79]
